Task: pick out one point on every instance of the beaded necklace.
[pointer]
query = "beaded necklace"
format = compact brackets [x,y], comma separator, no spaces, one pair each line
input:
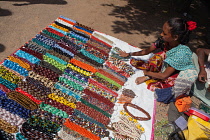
[59,27]
[29,57]
[34,46]
[20,62]
[7,127]
[83,65]
[60,24]
[59,20]
[50,30]
[50,66]
[6,74]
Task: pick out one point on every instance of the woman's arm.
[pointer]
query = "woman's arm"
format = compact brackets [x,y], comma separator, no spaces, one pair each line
[202,53]
[139,53]
[168,72]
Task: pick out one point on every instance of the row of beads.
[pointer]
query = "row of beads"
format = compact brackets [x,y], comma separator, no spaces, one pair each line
[61,100]
[32,52]
[71,83]
[77,37]
[80,130]
[64,23]
[23,100]
[97,52]
[83,65]
[89,60]
[51,34]
[86,28]
[98,116]
[16,67]
[69,47]
[29,57]
[50,30]
[59,27]
[20,62]
[106,83]
[76,76]
[70,42]
[50,66]
[54,110]
[99,45]
[7,84]
[6,74]
[63,57]
[73,80]
[7,127]
[34,46]
[92,56]
[78,69]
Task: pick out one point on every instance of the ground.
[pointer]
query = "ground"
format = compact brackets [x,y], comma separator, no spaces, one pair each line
[137,22]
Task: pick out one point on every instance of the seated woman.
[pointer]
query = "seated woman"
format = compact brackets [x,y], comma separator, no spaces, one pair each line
[173,68]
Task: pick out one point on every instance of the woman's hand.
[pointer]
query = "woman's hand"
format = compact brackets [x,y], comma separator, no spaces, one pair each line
[202,76]
[140,80]
[123,54]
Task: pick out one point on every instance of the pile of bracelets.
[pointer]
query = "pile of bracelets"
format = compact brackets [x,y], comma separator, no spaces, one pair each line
[23,100]
[9,76]
[82,131]
[34,46]
[14,107]
[31,58]
[11,118]
[102,90]
[76,38]
[16,67]
[46,72]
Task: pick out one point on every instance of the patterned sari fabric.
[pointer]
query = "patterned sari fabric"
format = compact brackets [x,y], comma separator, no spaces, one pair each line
[154,64]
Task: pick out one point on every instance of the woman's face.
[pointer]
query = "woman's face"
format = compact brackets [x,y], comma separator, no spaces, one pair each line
[166,34]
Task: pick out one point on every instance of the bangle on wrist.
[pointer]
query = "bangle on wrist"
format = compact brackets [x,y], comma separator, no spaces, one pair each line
[147,77]
[202,66]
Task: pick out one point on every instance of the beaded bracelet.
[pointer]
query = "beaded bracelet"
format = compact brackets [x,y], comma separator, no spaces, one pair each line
[63,57]
[78,69]
[4,89]
[22,100]
[98,116]
[99,45]
[83,65]
[84,27]
[93,94]
[77,37]
[67,134]
[31,133]
[92,81]
[87,60]
[20,62]
[28,95]
[41,44]
[6,136]
[56,29]
[71,83]
[81,32]
[14,66]
[98,104]
[60,23]
[68,47]
[32,52]
[111,76]
[7,127]
[7,84]
[13,119]
[34,46]
[59,27]
[48,73]
[63,22]
[68,91]
[80,130]
[69,78]
[138,108]
[45,40]
[95,51]
[47,116]
[63,50]
[69,43]
[7,75]
[56,59]
[61,100]
[106,83]
[12,71]
[95,107]
[45,81]
[76,76]
[88,125]
[68,20]
[43,125]
[14,107]
[29,57]
[51,34]
[91,56]
[50,66]
[103,76]
[86,117]
[50,30]
[54,110]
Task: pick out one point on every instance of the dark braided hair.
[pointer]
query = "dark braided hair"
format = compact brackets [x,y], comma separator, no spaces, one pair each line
[179,27]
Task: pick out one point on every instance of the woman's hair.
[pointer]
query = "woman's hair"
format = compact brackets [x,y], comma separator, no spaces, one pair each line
[179,27]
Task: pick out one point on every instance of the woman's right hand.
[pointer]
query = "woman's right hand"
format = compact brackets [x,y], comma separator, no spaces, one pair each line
[202,76]
[140,80]
[123,54]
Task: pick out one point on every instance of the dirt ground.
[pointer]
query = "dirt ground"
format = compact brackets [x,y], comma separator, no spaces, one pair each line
[138,22]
